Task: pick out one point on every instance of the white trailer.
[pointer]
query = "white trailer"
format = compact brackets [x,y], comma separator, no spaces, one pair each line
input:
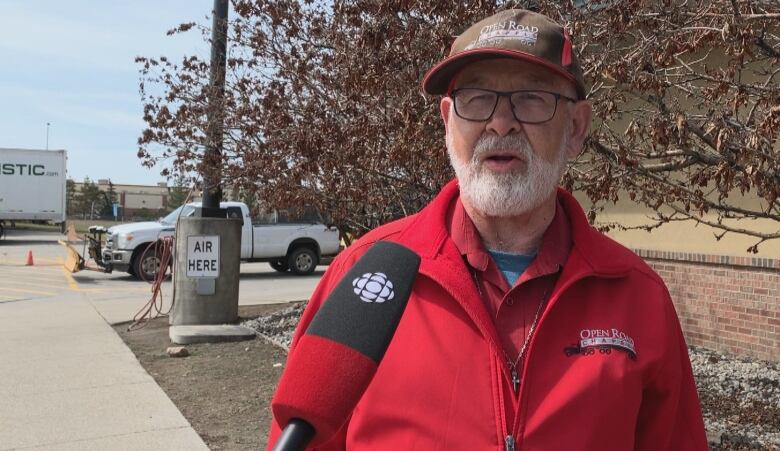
[32,185]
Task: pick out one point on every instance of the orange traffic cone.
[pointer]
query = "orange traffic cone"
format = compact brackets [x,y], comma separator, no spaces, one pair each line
[29,259]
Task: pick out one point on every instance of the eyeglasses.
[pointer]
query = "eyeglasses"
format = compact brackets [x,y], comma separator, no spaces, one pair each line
[528,106]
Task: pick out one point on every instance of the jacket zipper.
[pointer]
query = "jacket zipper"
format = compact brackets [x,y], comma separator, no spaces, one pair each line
[509,439]
[509,443]
[501,405]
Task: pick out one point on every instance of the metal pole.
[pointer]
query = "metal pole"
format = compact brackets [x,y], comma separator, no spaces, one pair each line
[47,135]
[209,297]
[212,159]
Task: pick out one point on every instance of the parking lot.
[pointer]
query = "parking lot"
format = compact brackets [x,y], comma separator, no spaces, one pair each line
[119,296]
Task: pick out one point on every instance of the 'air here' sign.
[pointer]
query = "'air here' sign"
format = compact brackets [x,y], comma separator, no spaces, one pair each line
[203,256]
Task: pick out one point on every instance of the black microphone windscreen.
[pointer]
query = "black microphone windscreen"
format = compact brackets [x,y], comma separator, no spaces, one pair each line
[364,309]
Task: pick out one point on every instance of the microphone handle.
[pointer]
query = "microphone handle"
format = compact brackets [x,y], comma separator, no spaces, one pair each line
[295,436]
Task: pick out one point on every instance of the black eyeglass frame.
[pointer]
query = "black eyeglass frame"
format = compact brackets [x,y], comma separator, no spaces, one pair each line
[508,94]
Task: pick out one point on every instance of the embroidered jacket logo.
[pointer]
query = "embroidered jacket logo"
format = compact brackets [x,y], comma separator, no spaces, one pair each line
[603,341]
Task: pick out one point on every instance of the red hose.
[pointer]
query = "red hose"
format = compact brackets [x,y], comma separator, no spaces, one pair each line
[153,308]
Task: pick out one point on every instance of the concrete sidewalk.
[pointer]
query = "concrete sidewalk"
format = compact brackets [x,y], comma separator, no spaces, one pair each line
[68,382]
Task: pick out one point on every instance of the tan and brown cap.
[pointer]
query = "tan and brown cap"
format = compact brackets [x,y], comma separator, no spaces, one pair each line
[513,33]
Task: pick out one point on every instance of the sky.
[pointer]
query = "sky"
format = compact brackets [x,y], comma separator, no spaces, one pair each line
[71,64]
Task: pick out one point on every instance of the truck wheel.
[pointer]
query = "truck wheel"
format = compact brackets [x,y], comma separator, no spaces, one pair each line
[146,264]
[302,261]
[279,265]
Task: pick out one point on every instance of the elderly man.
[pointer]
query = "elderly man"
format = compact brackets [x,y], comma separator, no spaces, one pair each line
[526,328]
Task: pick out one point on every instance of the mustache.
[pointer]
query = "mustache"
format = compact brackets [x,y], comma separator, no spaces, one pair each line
[514,143]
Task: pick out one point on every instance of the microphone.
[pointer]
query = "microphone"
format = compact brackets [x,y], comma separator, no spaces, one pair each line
[338,355]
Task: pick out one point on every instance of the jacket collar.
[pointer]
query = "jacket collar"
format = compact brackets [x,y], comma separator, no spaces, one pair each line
[427,235]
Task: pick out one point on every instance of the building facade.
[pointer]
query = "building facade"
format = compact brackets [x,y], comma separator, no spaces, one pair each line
[136,202]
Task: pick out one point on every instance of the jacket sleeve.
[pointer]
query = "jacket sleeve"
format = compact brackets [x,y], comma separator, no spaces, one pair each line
[670,414]
[329,280]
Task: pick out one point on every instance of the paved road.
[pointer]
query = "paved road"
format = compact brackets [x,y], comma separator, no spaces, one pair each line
[68,382]
[118,296]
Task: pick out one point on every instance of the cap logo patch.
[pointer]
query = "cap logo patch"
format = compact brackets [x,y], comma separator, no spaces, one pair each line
[373,287]
[490,35]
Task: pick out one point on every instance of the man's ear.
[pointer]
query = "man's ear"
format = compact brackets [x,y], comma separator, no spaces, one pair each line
[580,116]
[445,109]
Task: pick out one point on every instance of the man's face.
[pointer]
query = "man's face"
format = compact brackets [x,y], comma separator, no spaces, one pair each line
[505,167]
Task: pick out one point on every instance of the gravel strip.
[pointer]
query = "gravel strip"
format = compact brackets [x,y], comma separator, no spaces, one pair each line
[278,327]
[740,400]
[740,397]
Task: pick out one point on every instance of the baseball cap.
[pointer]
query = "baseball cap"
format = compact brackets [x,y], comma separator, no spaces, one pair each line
[512,33]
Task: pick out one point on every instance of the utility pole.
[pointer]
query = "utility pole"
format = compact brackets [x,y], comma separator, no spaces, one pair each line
[212,159]
[47,135]
[208,244]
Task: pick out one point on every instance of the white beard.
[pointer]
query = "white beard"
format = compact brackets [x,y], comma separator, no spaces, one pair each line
[510,193]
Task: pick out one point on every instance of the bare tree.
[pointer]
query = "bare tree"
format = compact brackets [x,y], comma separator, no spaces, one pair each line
[688,107]
[323,106]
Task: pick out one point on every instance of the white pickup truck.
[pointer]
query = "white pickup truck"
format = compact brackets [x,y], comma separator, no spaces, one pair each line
[298,247]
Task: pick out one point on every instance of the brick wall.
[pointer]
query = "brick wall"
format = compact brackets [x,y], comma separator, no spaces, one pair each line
[729,304]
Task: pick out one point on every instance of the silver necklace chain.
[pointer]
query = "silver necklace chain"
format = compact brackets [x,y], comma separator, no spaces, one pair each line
[520,355]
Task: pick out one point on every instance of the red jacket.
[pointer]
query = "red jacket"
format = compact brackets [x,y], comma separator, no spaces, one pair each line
[606,369]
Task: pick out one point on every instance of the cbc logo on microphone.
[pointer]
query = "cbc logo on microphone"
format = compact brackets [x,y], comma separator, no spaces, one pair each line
[373,287]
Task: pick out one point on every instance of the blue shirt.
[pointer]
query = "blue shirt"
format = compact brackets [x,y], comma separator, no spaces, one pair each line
[511,265]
